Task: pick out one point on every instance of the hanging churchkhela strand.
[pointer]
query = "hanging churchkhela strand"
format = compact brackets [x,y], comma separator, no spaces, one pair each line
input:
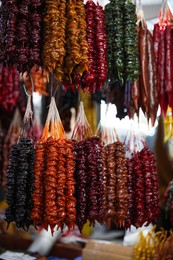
[54,203]
[38,193]
[11,138]
[143,185]
[20,177]
[163,42]
[70,186]
[81,184]
[115,39]
[9,88]
[122,195]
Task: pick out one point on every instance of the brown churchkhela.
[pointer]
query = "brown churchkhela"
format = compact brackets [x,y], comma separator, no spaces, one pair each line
[53,51]
[111,181]
[153,81]
[122,195]
[144,92]
[144,79]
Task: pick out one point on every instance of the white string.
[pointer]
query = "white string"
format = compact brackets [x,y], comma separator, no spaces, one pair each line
[28,112]
[170,6]
[162,10]
[140,12]
[32,82]
[82,122]
[24,87]
[101,3]
[49,115]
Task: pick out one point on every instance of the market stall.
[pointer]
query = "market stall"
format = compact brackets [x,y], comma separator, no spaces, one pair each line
[66,167]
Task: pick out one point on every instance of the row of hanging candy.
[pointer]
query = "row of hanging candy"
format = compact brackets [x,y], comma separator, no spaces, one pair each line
[41,177]
[54,35]
[163,50]
[12,135]
[66,182]
[22,50]
[167,202]
[89,58]
[154,86]
[11,86]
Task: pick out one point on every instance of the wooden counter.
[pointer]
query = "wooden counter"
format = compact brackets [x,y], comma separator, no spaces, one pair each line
[11,242]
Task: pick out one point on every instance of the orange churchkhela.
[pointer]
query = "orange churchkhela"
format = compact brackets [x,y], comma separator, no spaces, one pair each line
[54,186]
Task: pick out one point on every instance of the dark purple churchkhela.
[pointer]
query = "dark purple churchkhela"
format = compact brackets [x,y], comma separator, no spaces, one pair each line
[140,190]
[81,179]
[9,88]
[21,33]
[90,182]
[131,192]
[92,175]
[151,185]
[20,183]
